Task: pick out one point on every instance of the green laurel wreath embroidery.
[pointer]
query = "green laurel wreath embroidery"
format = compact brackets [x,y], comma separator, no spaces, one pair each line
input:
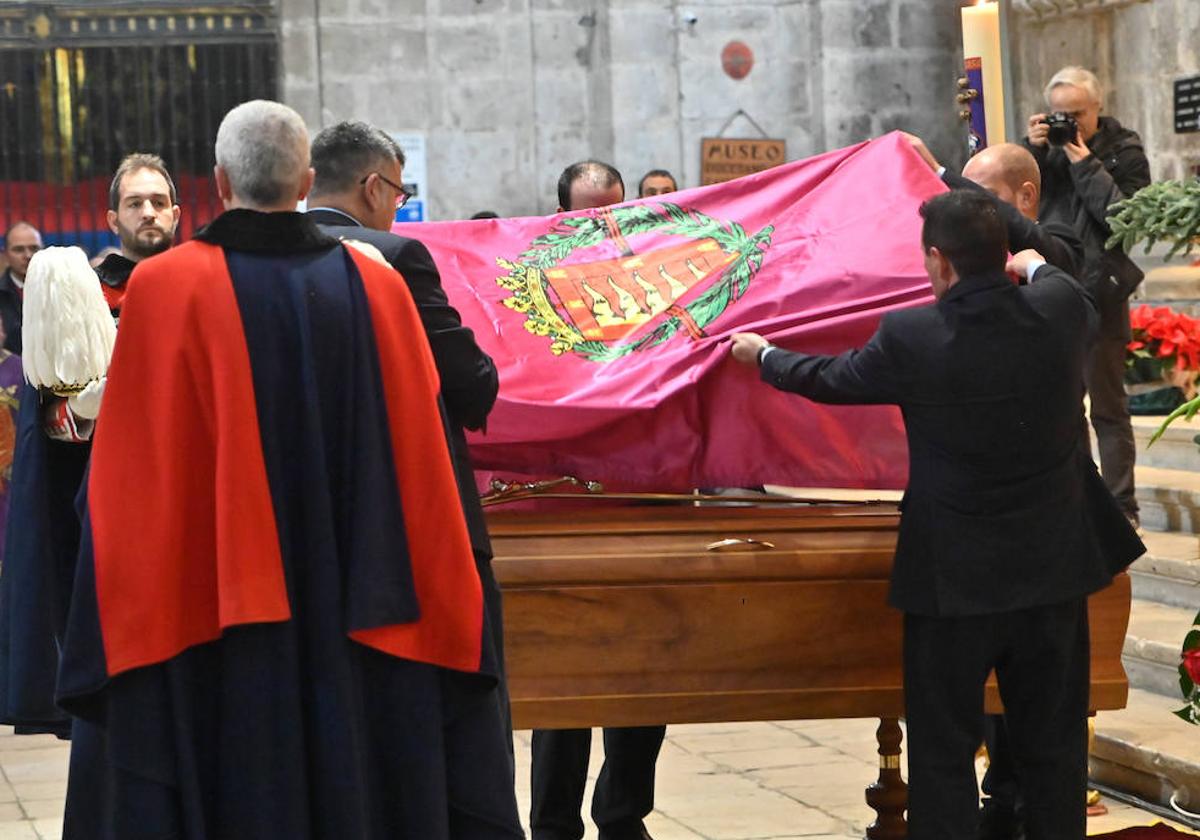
[548,250]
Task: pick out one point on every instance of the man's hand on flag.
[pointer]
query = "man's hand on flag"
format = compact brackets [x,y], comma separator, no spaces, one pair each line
[746,347]
[920,148]
[1023,265]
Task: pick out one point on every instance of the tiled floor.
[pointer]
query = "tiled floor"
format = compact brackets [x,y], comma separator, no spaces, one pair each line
[736,781]
[793,779]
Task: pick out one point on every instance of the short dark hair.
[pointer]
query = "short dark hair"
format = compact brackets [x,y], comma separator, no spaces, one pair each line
[656,173]
[132,163]
[602,173]
[486,214]
[345,151]
[966,227]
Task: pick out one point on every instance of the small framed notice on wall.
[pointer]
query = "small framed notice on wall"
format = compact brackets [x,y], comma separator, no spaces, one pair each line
[1187,105]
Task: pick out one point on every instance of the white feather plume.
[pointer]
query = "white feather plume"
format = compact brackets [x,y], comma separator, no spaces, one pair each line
[67,329]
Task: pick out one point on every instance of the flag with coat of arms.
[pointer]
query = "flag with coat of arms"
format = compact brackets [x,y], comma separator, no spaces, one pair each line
[609,326]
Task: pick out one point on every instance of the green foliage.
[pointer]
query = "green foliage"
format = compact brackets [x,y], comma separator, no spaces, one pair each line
[1187,411]
[1167,211]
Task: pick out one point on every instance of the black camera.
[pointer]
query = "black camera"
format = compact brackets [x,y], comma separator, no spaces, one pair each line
[1063,128]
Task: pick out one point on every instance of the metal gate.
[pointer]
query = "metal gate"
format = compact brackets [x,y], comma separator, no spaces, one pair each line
[82,85]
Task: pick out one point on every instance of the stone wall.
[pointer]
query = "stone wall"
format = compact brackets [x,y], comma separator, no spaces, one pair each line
[508,92]
[1137,50]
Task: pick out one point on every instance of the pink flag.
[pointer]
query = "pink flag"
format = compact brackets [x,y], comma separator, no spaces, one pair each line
[609,326]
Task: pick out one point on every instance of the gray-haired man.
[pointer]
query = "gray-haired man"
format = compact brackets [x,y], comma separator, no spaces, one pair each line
[1082,176]
[356,190]
[298,646]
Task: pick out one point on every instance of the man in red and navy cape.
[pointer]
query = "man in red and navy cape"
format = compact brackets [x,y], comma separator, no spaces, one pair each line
[277,626]
[52,448]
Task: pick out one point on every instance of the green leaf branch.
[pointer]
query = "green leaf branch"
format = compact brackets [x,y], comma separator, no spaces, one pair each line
[1166,211]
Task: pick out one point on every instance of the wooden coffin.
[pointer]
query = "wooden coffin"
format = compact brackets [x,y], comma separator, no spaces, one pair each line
[630,615]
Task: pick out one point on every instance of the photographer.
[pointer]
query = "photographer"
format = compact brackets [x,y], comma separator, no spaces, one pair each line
[1088,163]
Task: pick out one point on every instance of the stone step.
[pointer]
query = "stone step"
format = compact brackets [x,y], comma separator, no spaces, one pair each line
[1174,279]
[1175,450]
[1145,750]
[1152,646]
[1169,572]
[1174,285]
[1169,499]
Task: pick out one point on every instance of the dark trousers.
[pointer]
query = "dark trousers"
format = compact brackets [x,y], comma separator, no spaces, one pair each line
[1000,781]
[1000,815]
[1041,659]
[1104,375]
[624,790]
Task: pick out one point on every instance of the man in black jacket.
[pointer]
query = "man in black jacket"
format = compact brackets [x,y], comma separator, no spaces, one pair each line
[1010,174]
[624,793]
[1103,164]
[1006,525]
[355,195]
[21,241]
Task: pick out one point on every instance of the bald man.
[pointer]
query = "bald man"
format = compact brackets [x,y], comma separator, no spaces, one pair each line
[1010,174]
[21,241]
[589,183]
[624,792]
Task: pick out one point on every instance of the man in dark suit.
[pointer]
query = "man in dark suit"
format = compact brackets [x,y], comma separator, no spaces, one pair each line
[1010,174]
[624,792]
[1006,527]
[356,192]
[21,241]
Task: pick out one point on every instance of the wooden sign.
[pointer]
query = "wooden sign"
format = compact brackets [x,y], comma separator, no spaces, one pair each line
[723,159]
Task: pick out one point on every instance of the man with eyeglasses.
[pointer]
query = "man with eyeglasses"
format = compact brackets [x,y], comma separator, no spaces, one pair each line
[21,242]
[1083,175]
[356,192]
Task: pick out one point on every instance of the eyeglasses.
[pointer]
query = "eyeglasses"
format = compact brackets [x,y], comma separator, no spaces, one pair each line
[402,195]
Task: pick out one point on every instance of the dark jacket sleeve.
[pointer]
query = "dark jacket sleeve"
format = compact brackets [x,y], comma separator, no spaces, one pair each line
[864,376]
[1048,275]
[1099,189]
[469,379]
[1024,233]
[1069,243]
[1039,152]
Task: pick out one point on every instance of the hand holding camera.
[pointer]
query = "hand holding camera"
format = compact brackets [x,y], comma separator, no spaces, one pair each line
[1037,130]
[1060,130]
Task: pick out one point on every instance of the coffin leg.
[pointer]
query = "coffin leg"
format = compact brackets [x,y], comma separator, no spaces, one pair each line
[888,796]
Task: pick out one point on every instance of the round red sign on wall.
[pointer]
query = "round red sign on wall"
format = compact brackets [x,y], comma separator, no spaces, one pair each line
[737,60]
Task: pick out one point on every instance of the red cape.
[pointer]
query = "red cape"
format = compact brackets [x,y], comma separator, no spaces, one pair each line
[185,538]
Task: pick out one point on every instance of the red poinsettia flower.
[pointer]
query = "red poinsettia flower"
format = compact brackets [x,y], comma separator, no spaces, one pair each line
[1162,333]
[1191,663]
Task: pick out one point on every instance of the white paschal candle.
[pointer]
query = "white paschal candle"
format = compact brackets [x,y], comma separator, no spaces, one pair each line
[981,39]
